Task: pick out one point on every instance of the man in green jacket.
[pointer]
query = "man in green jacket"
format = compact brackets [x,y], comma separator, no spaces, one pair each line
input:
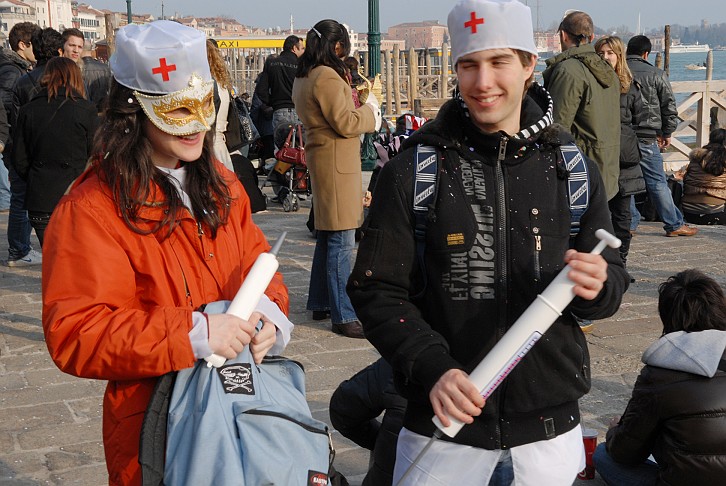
[586,95]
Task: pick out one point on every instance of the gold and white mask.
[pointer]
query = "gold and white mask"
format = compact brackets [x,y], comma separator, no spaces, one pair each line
[184,112]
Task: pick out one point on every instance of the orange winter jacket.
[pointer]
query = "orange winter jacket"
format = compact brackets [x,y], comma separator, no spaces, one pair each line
[117,305]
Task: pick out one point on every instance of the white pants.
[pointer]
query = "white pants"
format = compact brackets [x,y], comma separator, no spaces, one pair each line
[545,463]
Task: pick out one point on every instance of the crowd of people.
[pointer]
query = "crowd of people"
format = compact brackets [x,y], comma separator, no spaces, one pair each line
[128,169]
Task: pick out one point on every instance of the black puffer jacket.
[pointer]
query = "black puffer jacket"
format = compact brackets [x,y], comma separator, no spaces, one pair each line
[496,239]
[678,411]
[630,180]
[661,115]
[12,66]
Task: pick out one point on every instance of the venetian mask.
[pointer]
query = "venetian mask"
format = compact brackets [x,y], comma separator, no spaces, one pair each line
[184,112]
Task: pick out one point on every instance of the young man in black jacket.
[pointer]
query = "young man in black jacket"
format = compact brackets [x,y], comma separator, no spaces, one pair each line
[496,235]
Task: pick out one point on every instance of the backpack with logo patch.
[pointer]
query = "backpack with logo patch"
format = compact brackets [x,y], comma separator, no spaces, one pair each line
[425,192]
[243,423]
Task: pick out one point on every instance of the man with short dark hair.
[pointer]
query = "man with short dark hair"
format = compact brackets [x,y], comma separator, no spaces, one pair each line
[586,95]
[280,76]
[73,44]
[15,62]
[654,134]
[453,254]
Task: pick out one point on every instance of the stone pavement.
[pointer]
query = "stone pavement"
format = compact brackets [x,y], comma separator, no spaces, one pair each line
[50,423]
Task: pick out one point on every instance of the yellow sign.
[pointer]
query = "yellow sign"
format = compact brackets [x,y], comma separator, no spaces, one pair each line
[255,43]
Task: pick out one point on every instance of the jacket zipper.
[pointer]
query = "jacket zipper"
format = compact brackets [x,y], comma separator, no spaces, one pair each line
[501,264]
[537,250]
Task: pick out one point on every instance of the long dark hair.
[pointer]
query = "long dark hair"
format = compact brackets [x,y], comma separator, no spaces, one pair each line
[320,48]
[714,162]
[125,165]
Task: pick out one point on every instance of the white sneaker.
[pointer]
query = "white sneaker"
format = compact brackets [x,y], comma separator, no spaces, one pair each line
[32,258]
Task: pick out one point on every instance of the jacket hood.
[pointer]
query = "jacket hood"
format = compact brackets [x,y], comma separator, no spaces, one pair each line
[8,56]
[600,69]
[453,122]
[692,352]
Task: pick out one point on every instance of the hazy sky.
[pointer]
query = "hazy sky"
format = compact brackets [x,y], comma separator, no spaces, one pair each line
[271,13]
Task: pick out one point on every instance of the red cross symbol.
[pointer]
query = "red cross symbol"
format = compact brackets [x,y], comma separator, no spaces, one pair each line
[164,70]
[473,22]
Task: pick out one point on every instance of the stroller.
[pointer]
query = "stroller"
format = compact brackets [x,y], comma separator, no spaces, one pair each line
[289,181]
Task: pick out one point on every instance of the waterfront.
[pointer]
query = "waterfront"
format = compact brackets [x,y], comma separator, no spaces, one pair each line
[679,72]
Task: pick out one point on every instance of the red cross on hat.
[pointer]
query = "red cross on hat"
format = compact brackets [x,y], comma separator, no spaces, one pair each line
[473,22]
[164,69]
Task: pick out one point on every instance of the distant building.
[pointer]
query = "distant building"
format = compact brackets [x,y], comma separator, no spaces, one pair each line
[419,35]
[547,43]
[90,21]
[13,12]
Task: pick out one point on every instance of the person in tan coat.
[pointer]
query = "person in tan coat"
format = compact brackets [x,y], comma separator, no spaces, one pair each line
[333,126]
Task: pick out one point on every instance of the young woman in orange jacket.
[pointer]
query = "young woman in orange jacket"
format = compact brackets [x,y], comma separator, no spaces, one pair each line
[151,232]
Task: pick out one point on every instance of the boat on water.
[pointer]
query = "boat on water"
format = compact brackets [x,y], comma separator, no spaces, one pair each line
[687,48]
[695,67]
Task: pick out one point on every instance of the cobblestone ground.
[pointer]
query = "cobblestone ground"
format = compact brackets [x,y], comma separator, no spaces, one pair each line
[50,423]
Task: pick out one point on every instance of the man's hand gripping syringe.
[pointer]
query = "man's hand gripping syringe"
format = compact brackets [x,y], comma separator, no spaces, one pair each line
[458,397]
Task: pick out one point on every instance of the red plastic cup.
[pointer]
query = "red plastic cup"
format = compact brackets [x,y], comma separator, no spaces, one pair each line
[589,441]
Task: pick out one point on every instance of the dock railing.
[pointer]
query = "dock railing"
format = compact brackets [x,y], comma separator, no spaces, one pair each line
[421,80]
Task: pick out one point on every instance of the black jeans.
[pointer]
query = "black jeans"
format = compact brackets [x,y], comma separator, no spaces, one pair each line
[39,221]
[620,214]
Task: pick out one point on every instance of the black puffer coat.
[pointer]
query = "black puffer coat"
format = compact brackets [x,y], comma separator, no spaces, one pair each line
[678,411]
[630,180]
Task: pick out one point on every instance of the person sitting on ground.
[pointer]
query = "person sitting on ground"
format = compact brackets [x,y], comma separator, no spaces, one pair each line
[704,185]
[677,412]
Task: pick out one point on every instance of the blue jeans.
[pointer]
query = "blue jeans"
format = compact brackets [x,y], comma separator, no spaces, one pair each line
[4,186]
[651,162]
[18,223]
[644,474]
[284,116]
[329,275]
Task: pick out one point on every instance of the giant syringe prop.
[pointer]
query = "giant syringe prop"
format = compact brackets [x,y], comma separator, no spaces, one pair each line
[519,339]
[251,291]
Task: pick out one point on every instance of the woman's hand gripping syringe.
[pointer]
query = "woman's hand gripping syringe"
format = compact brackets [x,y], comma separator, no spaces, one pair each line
[235,329]
[457,397]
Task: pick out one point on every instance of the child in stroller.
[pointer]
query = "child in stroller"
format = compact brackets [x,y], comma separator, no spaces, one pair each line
[290,182]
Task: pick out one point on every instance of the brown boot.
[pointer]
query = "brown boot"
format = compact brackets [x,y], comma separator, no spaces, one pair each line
[349,329]
[684,230]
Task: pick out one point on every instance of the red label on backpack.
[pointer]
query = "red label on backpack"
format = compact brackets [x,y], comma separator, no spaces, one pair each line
[316,478]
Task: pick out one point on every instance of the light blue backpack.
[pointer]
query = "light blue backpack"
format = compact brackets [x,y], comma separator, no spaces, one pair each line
[244,424]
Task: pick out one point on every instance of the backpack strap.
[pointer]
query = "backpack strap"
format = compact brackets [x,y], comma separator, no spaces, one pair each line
[578,184]
[152,442]
[424,199]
